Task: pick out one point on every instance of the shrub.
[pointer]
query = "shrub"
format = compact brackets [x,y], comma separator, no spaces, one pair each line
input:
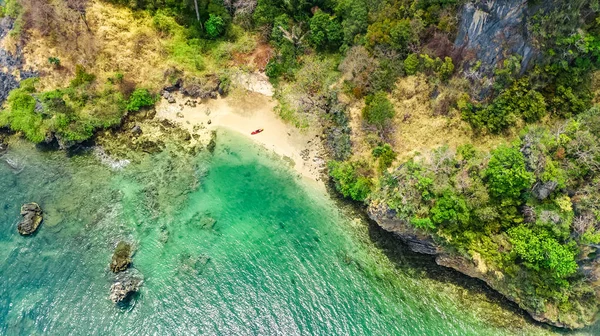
[21,115]
[140,98]
[214,26]
[540,252]
[446,69]
[55,61]
[379,110]
[412,64]
[82,77]
[351,179]
[506,175]
[385,154]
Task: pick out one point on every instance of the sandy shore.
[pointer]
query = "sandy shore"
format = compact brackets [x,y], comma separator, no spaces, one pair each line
[245,112]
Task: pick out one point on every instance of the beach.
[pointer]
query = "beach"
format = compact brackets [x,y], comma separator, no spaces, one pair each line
[244,112]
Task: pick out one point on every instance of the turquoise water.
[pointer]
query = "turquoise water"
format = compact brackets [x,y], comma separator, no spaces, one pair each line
[229,244]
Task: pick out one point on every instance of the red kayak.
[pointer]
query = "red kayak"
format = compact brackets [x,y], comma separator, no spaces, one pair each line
[257,131]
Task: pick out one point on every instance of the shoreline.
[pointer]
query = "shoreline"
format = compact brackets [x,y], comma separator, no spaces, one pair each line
[244,112]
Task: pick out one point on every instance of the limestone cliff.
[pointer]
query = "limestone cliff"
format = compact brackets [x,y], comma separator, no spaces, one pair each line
[474,266]
[494,30]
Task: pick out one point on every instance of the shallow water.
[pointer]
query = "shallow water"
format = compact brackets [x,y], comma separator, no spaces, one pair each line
[229,244]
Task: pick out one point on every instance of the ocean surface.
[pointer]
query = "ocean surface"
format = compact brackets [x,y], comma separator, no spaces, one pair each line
[232,243]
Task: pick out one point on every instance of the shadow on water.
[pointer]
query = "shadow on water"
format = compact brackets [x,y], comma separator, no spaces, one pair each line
[404,258]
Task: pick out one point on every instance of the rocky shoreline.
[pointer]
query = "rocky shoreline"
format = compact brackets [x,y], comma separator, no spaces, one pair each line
[420,242]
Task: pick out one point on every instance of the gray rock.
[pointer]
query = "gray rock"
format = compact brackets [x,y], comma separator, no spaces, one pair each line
[125,285]
[137,130]
[416,241]
[542,190]
[495,30]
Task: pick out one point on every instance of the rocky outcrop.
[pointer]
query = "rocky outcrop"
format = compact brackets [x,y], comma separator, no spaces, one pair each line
[121,258]
[32,218]
[125,285]
[494,30]
[416,240]
[543,190]
[474,267]
[11,64]
[202,87]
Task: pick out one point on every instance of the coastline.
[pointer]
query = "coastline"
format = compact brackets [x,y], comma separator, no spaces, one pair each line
[244,112]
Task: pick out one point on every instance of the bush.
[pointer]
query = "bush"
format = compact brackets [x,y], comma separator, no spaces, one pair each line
[214,26]
[506,175]
[386,156]
[379,110]
[21,115]
[412,64]
[140,98]
[82,77]
[351,179]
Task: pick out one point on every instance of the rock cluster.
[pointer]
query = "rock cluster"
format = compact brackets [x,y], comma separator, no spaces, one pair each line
[32,218]
[125,285]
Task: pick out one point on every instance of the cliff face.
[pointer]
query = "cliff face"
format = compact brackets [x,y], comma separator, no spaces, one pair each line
[494,30]
[11,65]
[474,267]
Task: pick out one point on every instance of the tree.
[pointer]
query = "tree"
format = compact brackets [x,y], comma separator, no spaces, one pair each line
[379,110]
[506,175]
[385,154]
[214,26]
[351,179]
[325,31]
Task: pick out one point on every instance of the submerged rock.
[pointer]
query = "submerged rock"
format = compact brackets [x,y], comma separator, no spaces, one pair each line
[125,285]
[121,258]
[32,218]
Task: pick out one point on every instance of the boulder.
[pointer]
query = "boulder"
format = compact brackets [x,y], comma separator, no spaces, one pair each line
[202,87]
[124,286]
[32,218]
[542,190]
[121,258]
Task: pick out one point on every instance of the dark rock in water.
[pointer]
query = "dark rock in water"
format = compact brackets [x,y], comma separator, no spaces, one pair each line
[542,190]
[125,285]
[213,142]
[121,258]
[494,30]
[32,218]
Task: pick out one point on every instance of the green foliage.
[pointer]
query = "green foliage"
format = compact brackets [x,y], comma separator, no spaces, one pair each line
[21,115]
[55,61]
[507,177]
[351,179]
[385,155]
[412,64]
[82,77]
[422,223]
[379,110]
[446,69]
[540,252]
[140,98]
[450,210]
[214,26]
[325,31]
